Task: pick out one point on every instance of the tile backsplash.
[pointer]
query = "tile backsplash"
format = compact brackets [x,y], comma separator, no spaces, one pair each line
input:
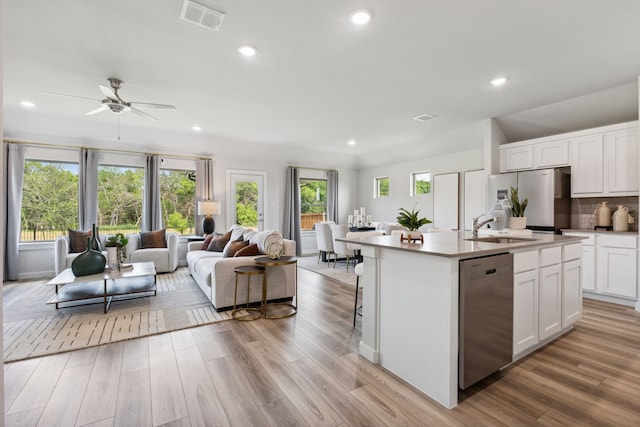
[582,210]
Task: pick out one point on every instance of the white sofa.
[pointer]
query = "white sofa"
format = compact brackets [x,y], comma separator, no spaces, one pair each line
[216,277]
[165,259]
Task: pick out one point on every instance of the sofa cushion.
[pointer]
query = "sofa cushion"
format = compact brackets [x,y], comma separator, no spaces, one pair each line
[219,241]
[153,239]
[78,240]
[206,242]
[232,247]
[264,238]
[249,250]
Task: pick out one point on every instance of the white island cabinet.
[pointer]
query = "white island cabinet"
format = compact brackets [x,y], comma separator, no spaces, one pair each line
[411,296]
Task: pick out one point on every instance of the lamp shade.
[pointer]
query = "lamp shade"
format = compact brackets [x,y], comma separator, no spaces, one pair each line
[208,208]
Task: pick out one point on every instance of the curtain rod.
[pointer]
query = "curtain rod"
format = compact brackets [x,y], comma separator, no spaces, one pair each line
[315,169]
[107,150]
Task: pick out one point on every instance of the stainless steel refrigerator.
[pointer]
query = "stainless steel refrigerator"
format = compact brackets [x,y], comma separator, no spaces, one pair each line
[548,191]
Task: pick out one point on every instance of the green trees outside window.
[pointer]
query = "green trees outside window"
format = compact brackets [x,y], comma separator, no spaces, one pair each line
[313,202]
[50,199]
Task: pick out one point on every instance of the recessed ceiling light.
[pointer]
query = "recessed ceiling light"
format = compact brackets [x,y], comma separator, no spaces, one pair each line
[360,17]
[247,50]
[27,104]
[196,128]
[351,142]
[499,81]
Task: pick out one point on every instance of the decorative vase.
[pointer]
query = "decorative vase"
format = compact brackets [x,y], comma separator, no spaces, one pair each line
[621,219]
[89,262]
[275,250]
[113,257]
[603,215]
[95,243]
[518,222]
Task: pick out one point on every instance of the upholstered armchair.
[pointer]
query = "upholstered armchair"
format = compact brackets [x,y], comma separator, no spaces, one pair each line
[164,258]
[61,255]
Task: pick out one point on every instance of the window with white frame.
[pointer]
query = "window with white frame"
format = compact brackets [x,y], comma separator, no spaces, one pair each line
[49,199]
[313,202]
[420,183]
[381,187]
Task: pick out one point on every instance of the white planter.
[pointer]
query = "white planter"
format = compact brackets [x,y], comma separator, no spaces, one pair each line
[412,235]
[518,222]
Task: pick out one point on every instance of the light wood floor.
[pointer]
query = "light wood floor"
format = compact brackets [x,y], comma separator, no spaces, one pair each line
[305,370]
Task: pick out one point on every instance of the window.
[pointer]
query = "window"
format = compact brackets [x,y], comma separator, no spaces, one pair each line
[420,183]
[313,202]
[49,200]
[120,193]
[177,197]
[381,188]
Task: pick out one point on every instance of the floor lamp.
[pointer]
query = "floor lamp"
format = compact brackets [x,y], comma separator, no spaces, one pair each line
[208,208]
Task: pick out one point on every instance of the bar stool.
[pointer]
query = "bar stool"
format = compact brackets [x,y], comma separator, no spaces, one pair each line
[248,270]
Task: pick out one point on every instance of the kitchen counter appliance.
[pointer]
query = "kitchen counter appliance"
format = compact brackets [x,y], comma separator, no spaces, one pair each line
[485,317]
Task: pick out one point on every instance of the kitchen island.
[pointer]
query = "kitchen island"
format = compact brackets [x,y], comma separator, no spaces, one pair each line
[411,296]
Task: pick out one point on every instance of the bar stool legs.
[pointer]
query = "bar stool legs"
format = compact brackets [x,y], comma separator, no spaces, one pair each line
[248,270]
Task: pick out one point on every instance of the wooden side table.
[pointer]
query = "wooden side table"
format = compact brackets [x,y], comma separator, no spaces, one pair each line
[270,263]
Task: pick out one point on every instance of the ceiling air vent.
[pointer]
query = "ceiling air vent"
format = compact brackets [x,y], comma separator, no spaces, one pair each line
[425,117]
[202,16]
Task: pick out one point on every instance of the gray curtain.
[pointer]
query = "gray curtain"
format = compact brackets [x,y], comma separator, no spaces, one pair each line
[204,186]
[151,208]
[332,196]
[13,176]
[88,189]
[291,226]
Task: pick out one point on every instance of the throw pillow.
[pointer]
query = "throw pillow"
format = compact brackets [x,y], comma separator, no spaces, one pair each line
[206,242]
[218,242]
[232,247]
[249,250]
[237,231]
[153,239]
[78,240]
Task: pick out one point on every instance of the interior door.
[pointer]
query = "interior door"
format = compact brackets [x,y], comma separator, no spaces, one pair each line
[246,199]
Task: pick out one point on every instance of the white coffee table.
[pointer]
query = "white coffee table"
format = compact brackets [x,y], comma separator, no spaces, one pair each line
[140,279]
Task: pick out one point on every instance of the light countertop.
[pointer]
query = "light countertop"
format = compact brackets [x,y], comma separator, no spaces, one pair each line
[453,244]
[590,230]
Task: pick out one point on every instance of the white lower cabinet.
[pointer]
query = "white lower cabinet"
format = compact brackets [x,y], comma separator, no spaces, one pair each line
[571,292]
[525,310]
[617,271]
[550,313]
[609,265]
[547,295]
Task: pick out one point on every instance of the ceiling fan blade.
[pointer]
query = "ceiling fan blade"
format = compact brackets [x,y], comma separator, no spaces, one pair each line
[148,105]
[67,96]
[108,92]
[97,110]
[141,113]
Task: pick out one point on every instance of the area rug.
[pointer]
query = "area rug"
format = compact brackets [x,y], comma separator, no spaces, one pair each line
[33,328]
[338,273]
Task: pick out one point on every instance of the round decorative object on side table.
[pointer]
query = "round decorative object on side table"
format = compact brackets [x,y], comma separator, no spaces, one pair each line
[275,250]
[268,262]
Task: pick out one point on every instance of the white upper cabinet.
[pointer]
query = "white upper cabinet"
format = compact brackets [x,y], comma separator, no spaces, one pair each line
[622,161]
[605,163]
[551,154]
[587,175]
[516,158]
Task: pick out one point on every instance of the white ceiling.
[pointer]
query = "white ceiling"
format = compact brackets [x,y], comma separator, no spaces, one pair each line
[318,80]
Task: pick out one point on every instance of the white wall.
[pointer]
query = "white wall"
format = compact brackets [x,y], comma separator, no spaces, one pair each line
[1,211]
[386,208]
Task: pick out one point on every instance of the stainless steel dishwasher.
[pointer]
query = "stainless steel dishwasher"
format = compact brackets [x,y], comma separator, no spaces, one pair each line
[485,317]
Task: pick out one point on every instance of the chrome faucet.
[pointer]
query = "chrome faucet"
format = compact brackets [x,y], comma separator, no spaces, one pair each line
[477,225]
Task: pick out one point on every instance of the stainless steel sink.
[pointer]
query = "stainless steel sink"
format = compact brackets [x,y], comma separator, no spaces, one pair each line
[501,239]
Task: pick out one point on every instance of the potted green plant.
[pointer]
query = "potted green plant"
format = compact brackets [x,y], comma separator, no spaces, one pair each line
[413,223]
[116,250]
[518,220]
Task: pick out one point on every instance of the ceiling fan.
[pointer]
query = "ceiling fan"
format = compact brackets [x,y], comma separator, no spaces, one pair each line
[117,105]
